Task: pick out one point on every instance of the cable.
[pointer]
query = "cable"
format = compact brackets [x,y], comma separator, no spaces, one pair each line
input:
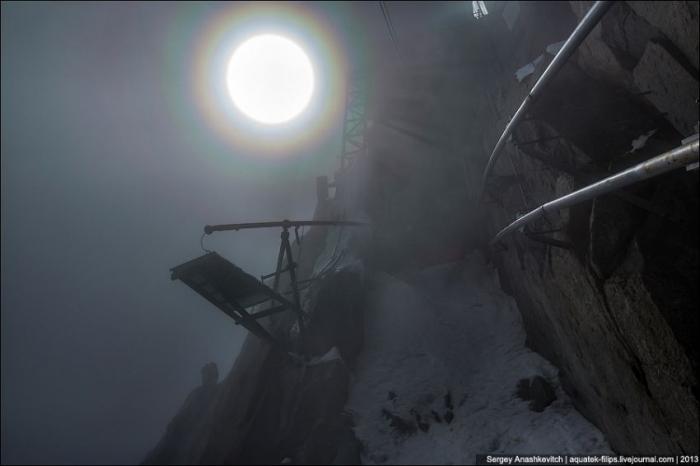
[336,257]
[390,27]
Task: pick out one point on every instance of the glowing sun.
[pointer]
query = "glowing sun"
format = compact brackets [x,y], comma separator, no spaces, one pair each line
[270,79]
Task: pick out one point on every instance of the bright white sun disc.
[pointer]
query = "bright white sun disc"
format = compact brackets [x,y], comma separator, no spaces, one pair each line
[270,79]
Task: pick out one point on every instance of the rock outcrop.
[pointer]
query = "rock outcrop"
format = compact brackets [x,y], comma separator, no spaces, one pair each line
[609,299]
[612,314]
[273,406]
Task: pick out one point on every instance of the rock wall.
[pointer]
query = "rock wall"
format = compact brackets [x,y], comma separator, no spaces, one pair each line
[610,298]
[614,306]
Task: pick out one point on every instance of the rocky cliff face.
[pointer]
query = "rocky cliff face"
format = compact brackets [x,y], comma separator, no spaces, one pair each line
[273,406]
[616,310]
[611,300]
[609,297]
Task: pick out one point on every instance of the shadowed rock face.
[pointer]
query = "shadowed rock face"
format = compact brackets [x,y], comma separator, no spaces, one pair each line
[180,436]
[273,407]
[613,313]
[210,375]
[336,322]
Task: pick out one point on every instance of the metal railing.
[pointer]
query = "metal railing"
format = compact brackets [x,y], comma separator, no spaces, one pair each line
[679,157]
[587,24]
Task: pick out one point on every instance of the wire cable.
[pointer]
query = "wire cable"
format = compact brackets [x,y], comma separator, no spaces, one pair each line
[390,27]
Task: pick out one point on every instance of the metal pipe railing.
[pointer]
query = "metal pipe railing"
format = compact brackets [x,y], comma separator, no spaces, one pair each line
[580,33]
[676,158]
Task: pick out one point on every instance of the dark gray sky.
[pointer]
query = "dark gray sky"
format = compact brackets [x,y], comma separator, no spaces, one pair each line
[104,190]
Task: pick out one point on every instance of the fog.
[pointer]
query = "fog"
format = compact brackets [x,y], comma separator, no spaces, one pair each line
[108,176]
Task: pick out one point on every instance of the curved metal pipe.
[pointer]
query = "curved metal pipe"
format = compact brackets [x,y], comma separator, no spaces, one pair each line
[676,158]
[572,43]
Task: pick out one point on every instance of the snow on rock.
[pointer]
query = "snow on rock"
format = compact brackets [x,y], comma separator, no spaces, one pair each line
[641,141]
[443,360]
[528,69]
[332,355]
[554,48]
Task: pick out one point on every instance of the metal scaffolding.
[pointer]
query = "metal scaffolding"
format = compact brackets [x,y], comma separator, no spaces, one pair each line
[353,142]
[237,293]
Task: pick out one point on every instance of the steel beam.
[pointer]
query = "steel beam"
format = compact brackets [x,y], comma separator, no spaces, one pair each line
[209,229]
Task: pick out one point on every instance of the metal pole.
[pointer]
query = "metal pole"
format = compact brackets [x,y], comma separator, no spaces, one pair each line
[293,279]
[278,269]
[253,325]
[676,158]
[572,43]
[209,229]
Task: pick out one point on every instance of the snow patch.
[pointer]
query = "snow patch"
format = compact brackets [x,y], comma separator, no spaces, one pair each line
[445,353]
[331,355]
[641,141]
[528,69]
[554,48]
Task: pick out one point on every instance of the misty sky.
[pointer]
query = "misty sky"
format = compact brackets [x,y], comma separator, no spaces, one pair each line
[108,176]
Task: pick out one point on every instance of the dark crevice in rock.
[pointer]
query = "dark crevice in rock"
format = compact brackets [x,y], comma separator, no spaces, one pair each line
[679,56]
[536,390]
[638,372]
[626,34]
[613,224]
[632,357]
[400,425]
[671,257]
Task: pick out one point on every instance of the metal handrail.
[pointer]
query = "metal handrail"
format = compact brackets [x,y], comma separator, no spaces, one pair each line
[676,158]
[570,46]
